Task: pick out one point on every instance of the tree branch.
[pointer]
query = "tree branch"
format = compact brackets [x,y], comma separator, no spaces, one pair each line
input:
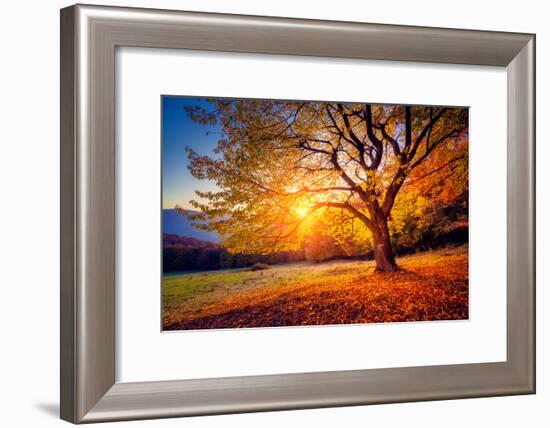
[376,142]
[393,142]
[446,164]
[393,189]
[346,206]
[408,128]
[411,154]
[430,149]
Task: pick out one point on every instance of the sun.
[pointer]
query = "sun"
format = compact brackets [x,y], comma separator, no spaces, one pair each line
[302,211]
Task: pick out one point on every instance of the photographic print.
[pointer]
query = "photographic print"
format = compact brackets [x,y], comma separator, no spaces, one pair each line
[301,213]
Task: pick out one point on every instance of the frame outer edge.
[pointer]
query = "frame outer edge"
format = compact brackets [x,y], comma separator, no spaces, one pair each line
[521,225]
[298,36]
[67,220]
[95,214]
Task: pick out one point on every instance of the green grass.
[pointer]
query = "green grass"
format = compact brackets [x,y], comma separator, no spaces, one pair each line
[198,289]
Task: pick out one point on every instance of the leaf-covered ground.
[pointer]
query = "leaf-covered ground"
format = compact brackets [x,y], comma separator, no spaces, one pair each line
[428,286]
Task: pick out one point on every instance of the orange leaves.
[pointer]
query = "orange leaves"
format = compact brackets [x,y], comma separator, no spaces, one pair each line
[430,286]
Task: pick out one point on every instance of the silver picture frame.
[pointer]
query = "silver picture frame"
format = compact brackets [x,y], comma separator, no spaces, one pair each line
[89,37]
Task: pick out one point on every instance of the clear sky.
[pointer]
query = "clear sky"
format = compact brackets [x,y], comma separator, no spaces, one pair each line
[179,132]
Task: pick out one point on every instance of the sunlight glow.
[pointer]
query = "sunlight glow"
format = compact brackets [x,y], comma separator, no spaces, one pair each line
[302,212]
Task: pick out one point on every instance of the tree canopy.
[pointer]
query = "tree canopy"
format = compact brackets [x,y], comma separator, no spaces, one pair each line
[362,175]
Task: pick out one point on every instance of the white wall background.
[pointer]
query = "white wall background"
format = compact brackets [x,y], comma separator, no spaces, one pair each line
[29,180]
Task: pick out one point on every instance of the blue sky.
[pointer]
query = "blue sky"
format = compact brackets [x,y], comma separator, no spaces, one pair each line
[179,132]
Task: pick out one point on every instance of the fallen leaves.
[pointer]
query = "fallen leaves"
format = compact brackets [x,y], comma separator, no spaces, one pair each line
[427,287]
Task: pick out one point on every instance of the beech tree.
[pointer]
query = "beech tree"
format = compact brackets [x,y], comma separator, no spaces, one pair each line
[280,164]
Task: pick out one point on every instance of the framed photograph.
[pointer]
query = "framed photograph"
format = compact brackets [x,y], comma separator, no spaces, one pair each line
[268,213]
[272,210]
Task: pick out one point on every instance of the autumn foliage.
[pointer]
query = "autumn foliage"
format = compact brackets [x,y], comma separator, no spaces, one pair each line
[431,286]
[360,175]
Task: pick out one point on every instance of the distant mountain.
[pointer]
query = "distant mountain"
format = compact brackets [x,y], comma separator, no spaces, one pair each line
[173,240]
[175,223]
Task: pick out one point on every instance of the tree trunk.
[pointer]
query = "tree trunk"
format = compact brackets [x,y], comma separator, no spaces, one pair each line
[383,251]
